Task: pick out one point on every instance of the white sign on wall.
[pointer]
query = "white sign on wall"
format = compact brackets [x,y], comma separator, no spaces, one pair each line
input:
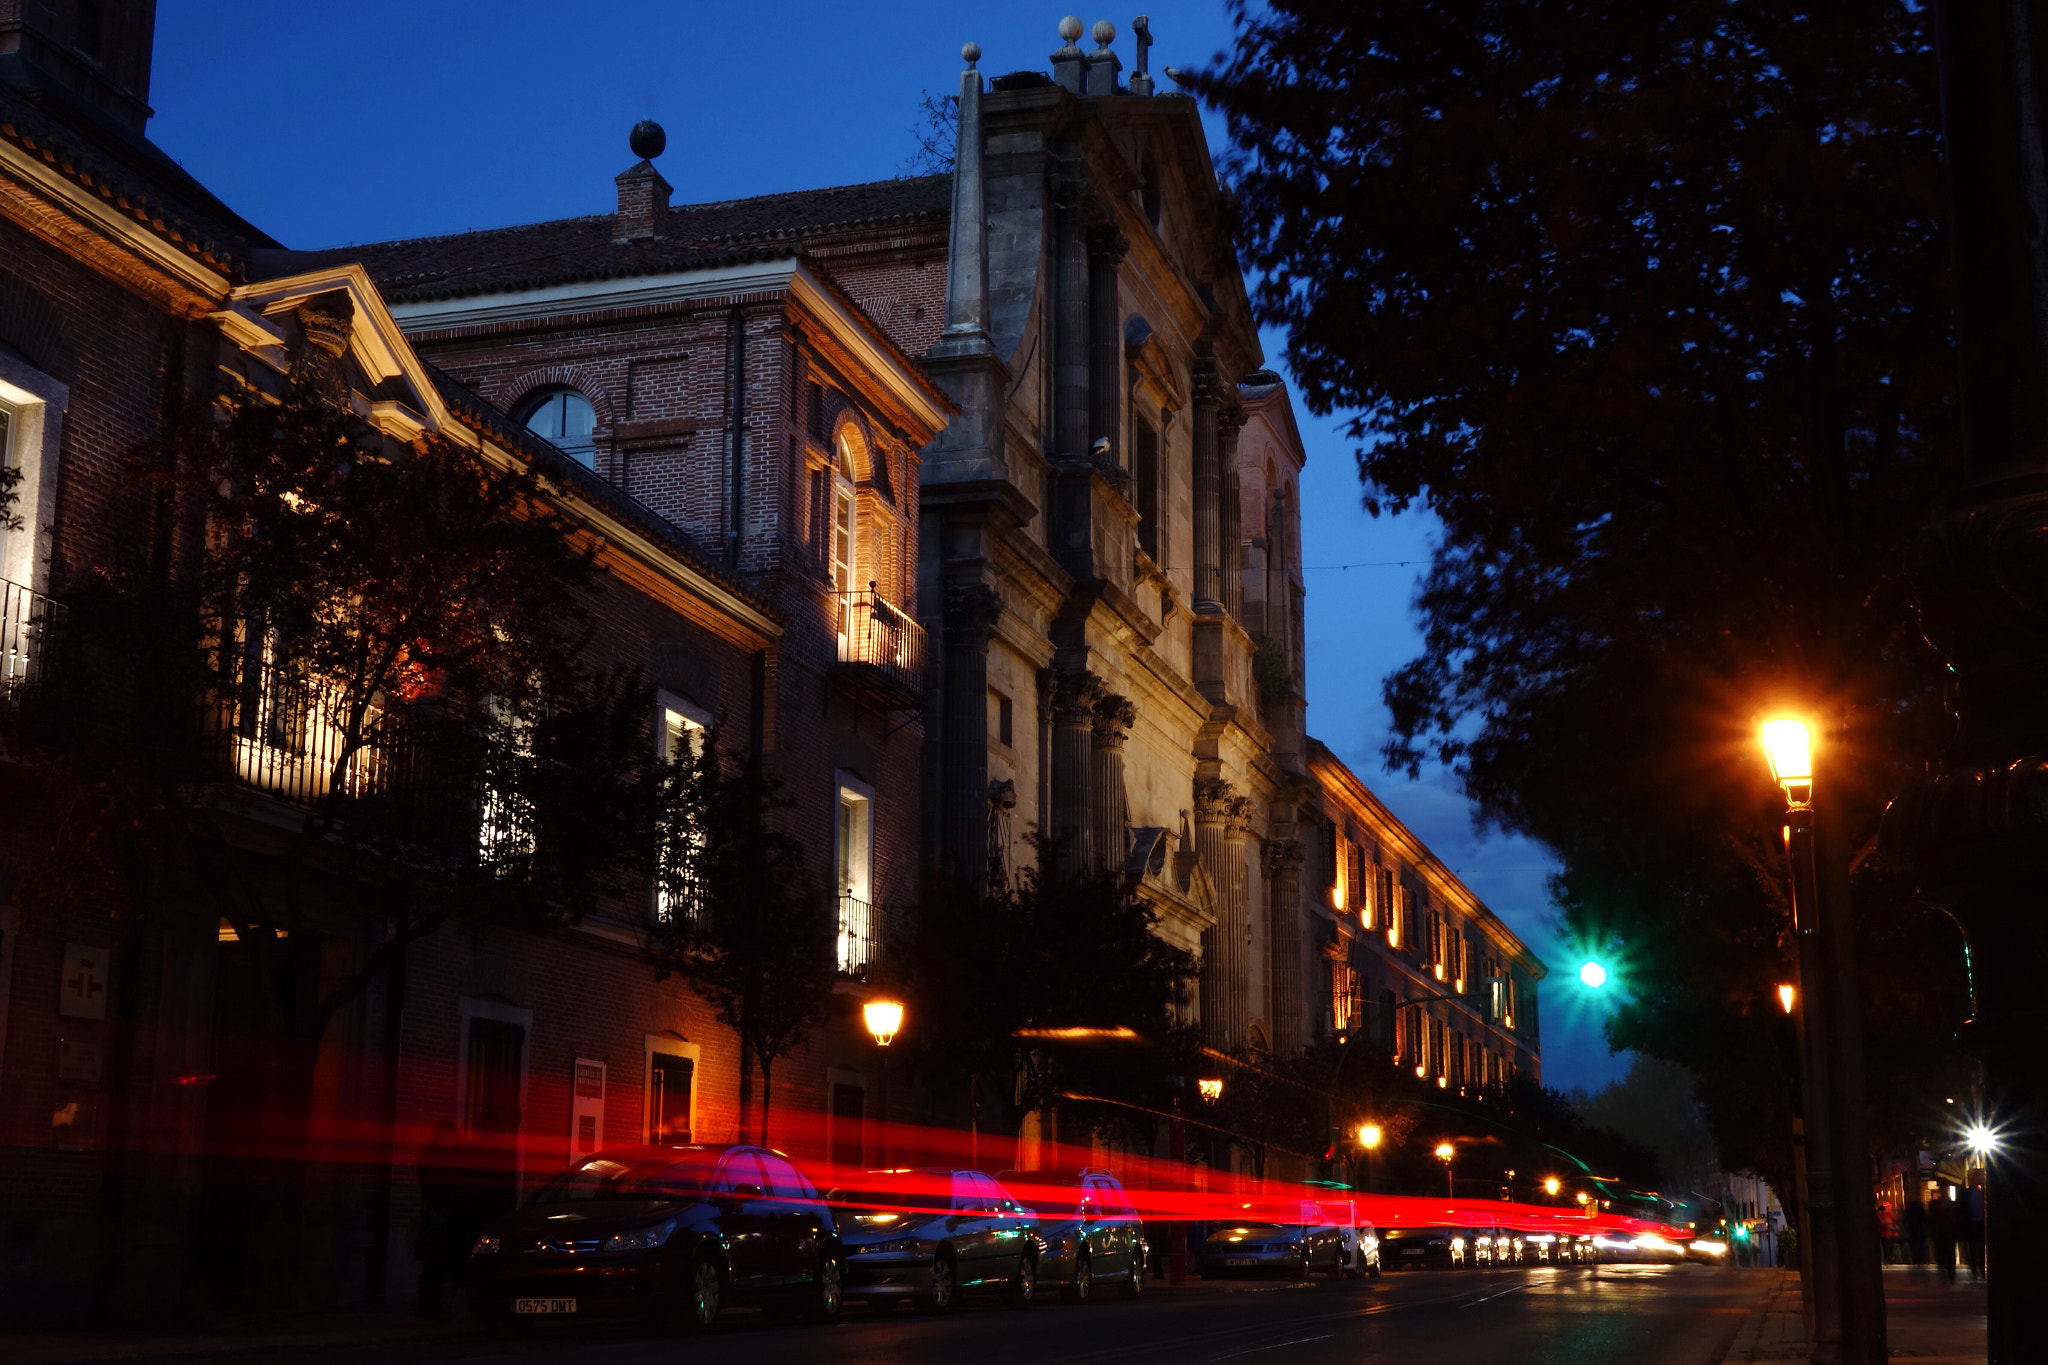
[82,986]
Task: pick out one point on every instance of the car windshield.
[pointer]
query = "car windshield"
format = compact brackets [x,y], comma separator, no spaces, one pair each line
[625,1178]
[901,1203]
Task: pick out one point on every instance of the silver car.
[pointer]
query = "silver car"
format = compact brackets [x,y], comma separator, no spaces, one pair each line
[929,1236]
[1297,1241]
[1092,1233]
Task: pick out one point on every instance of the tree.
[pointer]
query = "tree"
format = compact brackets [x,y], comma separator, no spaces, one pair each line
[1048,950]
[322,669]
[1647,304]
[936,132]
[741,918]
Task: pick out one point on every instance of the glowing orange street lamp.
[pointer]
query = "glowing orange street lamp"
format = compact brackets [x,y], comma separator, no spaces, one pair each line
[1551,1186]
[1210,1088]
[884,1018]
[1369,1136]
[1444,1153]
[1788,745]
[1786,995]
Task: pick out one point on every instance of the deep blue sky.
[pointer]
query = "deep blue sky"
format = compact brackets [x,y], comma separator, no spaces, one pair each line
[377,119]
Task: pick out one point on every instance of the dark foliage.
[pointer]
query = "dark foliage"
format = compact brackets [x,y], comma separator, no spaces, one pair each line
[1047,951]
[1647,305]
[740,917]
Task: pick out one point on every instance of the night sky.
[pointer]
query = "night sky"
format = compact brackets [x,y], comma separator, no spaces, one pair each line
[377,119]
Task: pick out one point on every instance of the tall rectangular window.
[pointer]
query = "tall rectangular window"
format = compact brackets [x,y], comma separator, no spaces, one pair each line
[1343,996]
[497,1065]
[854,837]
[670,1082]
[1005,721]
[677,892]
[1145,474]
[849,1109]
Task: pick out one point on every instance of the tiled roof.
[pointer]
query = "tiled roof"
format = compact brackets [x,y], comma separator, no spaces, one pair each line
[575,250]
[135,178]
[473,411]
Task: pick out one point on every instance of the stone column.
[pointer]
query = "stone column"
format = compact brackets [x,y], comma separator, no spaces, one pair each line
[1230,533]
[1208,493]
[1106,249]
[1073,724]
[1219,842]
[1237,855]
[1283,861]
[972,610]
[1109,803]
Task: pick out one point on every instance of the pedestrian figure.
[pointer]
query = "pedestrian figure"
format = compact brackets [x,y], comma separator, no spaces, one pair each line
[447,1209]
[1916,1229]
[1970,1223]
[1942,1228]
[1888,1232]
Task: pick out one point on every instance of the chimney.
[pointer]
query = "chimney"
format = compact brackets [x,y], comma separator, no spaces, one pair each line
[96,52]
[643,194]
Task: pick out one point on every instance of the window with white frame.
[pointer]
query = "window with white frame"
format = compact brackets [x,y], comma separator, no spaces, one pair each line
[682,732]
[853,861]
[31,420]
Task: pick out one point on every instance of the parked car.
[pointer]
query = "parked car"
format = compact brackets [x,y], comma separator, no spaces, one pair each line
[927,1236]
[1292,1240]
[1436,1248]
[1361,1244]
[666,1232]
[1091,1231]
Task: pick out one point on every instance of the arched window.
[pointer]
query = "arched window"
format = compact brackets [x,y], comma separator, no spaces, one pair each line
[845,543]
[564,419]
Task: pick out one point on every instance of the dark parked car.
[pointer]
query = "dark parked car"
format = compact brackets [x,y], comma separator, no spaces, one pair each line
[1296,1240]
[675,1232]
[1415,1248]
[1091,1231]
[928,1236]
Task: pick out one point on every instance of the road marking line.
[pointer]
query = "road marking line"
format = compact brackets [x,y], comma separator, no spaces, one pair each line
[1299,1341]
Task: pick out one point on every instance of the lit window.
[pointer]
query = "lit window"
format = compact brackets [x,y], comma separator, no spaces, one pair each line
[857,946]
[564,419]
[681,736]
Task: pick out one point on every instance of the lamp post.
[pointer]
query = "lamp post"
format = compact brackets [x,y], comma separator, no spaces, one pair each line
[1847,1295]
[1446,1154]
[1551,1185]
[1369,1136]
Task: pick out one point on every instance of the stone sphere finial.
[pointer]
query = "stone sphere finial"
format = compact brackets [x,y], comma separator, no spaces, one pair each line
[1105,33]
[971,53]
[1070,27]
[647,139]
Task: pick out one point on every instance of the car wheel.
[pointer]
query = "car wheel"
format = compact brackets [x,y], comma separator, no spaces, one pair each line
[940,1297]
[1134,1284]
[1023,1285]
[1083,1287]
[826,1297]
[706,1295]
[1337,1264]
[1306,1271]
[1373,1267]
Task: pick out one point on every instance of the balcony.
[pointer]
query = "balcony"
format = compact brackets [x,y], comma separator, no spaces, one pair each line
[26,620]
[881,651]
[859,940]
[283,734]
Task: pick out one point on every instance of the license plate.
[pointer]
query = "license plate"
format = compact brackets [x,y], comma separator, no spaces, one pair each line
[543,1305]
[1241,1260]
[1411,1251]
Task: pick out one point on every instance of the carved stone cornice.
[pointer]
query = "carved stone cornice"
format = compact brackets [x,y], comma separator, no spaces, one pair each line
[1217,802]
[1002,796]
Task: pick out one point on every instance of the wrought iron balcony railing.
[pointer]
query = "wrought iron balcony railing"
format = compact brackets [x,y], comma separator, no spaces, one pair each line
[289,736]
[27,618]
[875,636]
[859,948]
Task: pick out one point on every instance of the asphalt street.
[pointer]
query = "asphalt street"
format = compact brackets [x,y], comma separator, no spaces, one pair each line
[1636,1315]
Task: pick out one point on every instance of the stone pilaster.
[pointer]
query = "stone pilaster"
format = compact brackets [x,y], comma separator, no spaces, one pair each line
[1073,723]
[1110,805]
[1283,861]
[1221,823]
[1070,319]
[1106,250]
[1208,482]
[972,611]
[1230,530]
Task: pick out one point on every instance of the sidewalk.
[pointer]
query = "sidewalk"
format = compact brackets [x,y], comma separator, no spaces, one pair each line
[1925,1320]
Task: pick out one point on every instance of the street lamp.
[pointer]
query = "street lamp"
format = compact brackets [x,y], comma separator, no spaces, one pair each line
[1980,1139]
[1840,1276]
[1551,1185]
[1210,1088]
[1444,1153]
[1368,1138]
[884,1018]
[1592,975]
